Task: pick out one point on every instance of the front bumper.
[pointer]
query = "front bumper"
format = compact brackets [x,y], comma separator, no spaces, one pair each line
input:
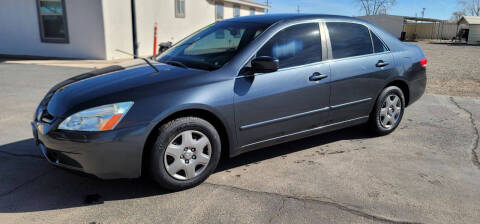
[107,155]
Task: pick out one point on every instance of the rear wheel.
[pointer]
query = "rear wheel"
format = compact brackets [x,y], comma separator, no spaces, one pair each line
[388,111]
[186,152]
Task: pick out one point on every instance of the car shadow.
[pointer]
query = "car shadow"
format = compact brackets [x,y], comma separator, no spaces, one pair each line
[352,133]
[51,188]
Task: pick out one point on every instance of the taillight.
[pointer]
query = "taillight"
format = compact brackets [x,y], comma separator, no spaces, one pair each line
[423,63]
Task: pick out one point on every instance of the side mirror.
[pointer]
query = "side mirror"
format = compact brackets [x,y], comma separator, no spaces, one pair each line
[265,64]
[164,46]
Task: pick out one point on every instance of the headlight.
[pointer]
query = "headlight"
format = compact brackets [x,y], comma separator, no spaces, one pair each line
[102,118]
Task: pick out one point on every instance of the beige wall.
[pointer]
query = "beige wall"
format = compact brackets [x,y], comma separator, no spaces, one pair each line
[474,34]
[97,28]
[431,30]
[198,14]
[20,32]
[392,24]
[117,18]
[244,10]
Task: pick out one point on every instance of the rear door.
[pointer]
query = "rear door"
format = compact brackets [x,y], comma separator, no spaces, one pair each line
[295,98]
[360,64]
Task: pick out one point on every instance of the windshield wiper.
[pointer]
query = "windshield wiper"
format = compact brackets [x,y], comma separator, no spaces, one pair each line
[148,62]
[176,63]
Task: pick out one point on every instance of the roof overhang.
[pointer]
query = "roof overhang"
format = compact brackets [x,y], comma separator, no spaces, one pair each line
[406,18]
[248,3]
[472,20]
[423,19]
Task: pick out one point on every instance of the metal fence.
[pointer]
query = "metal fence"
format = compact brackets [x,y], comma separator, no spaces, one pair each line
[435,30]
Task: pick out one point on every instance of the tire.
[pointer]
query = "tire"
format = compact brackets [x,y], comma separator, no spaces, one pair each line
[386,116]
[176,163]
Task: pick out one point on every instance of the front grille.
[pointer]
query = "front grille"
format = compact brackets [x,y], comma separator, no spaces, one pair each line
[59,158]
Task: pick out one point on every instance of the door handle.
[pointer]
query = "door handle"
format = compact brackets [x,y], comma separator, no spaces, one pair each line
[381,63]
[317,76]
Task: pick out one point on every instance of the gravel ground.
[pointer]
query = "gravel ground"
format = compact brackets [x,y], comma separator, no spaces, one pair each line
[452,69]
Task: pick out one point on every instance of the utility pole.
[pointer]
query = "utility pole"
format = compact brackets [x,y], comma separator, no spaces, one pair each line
[268,6]
[134,29]
[298,9]
[416,22]
[415,32]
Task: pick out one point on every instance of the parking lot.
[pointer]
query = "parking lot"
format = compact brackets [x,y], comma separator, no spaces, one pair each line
[427,171]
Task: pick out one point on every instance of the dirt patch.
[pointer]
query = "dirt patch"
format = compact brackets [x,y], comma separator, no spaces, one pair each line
[452,69]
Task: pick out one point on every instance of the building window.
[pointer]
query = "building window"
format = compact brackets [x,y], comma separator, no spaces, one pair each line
[218,10]
[53,21]
[180,8]
[236,11]
[252,11]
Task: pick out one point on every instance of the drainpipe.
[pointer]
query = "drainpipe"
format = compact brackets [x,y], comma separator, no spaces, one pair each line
[134,30]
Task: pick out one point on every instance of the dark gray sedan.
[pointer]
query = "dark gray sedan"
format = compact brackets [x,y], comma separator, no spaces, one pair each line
[237,85]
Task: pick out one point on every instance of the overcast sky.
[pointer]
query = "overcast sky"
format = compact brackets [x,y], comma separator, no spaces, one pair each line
[438,9]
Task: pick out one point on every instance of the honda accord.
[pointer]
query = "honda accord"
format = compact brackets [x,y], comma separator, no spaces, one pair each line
[234,86]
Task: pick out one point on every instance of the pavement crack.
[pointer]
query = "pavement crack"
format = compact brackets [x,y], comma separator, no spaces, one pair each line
[21,155]
[475,131]
[279,211]
[332,203]
[25,183]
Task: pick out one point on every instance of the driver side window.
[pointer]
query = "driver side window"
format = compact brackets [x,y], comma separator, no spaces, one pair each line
[295,45]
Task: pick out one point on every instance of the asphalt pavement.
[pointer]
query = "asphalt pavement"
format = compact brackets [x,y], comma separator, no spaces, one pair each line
[427,171]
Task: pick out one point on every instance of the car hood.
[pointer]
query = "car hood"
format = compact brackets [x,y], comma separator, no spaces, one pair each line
[113,84]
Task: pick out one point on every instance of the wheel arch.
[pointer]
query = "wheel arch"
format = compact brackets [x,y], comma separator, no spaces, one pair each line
[403,85]
[196,111]
[400,83]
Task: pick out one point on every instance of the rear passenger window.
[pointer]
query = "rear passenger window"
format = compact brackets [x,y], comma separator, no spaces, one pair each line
[296,45]
[378,45]
[349,39]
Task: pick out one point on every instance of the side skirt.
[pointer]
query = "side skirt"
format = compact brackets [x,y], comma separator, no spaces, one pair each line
[300,134]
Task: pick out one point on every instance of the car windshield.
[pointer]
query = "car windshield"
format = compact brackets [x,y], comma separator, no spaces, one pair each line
[213,46]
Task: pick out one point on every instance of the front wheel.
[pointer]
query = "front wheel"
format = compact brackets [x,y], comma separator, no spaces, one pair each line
[186,152]
[388,111]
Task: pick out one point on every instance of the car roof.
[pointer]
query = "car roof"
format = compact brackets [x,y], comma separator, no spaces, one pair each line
[274,18]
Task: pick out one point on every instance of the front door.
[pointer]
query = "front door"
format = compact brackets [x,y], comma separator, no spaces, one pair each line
[296,97]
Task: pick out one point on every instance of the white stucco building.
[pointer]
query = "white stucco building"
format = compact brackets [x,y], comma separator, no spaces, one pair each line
[95,29]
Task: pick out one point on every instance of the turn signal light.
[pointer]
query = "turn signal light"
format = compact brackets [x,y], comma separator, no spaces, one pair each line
[112,122]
